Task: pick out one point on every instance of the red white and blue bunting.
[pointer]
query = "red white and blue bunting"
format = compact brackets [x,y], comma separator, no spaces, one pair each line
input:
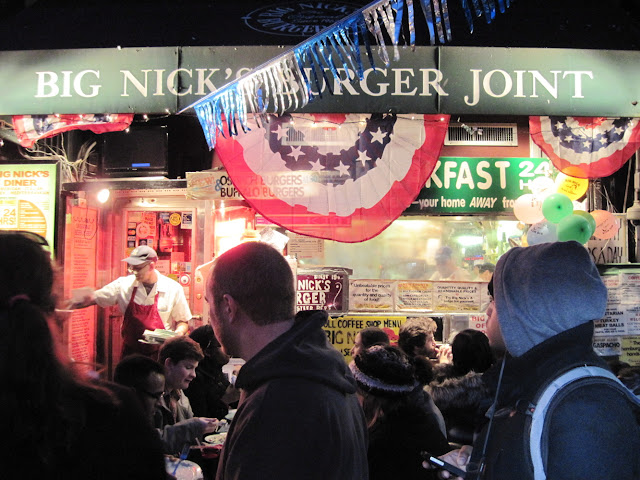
[586,147]
[336,176]
[281,84]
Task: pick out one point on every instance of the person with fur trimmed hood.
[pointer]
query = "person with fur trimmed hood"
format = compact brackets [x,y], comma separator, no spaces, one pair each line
[457,388]
[545,300]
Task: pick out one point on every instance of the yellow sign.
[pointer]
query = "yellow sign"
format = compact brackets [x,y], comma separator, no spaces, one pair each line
[28,198]
[175,219]
[342,330]
[631,350]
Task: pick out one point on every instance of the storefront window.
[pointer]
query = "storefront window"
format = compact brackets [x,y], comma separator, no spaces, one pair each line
[412,247]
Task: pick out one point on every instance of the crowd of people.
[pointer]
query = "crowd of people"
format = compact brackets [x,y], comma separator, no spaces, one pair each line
[303,412]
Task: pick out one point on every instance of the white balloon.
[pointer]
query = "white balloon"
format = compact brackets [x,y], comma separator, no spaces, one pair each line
[541,184]
[528,208]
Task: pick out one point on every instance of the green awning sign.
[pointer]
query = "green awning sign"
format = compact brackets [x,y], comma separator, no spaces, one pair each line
[461,185]
[451,80]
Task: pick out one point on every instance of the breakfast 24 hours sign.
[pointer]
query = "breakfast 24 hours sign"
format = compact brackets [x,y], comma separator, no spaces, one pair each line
[28,194]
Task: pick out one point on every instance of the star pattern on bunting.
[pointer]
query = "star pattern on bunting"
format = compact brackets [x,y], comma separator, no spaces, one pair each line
[339,167]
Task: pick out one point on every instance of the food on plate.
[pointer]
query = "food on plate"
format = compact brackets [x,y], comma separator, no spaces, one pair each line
[216,438]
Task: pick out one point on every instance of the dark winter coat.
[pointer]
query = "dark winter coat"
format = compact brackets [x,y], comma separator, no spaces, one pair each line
[395,443]
[298,417]
[460,400]
[592,433]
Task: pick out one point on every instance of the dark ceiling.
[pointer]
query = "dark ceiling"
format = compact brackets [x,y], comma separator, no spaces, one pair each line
[60,24]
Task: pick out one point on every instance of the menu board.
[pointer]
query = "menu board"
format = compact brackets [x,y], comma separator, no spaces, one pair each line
[80,271]
[28,194]
[416,296]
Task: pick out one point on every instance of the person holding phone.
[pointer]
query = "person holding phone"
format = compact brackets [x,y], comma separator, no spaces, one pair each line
[545,299]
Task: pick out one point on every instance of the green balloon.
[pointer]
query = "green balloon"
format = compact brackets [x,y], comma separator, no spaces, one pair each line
[556,206]
[589,217]
[574,227]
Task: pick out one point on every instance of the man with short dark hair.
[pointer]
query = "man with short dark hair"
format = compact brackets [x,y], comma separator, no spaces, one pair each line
[146,377]
[298,415]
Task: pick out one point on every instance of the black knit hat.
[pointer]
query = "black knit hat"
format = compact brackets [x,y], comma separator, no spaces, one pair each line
[384,370]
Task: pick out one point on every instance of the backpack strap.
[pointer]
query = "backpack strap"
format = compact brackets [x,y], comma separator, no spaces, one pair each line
[590,374]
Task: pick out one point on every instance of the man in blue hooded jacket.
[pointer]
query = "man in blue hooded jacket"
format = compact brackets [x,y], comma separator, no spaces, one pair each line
[545,298]
[298,415]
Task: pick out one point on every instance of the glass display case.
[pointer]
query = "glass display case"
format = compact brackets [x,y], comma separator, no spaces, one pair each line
[407,249]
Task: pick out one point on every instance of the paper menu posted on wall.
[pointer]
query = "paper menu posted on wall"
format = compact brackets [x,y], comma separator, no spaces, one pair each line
[457,297]
[303,247]
[629,288]
[614,322]
[633,320]
[607,345]
[414,296]
[372,295]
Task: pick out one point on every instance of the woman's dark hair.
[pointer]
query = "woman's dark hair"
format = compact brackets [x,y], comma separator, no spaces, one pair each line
[41,396]
[471,351]
[373,336]
[180,348]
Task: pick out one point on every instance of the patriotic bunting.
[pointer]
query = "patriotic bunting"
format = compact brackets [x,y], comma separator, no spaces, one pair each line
[30,128]
[338,177]
[586,147]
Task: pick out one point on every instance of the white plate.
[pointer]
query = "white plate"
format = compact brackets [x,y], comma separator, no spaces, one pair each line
[216,438]
[229,416]
[187,470]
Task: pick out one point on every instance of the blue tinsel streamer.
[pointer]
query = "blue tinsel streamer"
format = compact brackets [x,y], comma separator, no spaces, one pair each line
[428,15]
[468,15]
[285,83]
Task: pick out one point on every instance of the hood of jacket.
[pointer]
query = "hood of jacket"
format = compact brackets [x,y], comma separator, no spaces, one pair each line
[543,290]
[458,392]
[302,352]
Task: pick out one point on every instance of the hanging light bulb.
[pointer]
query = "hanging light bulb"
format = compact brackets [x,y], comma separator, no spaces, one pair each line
[103,195]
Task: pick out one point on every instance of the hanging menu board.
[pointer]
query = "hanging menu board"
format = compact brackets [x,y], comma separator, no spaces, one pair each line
[80,271]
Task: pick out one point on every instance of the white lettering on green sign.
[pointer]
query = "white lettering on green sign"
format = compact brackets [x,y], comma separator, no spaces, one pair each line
[468,185]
